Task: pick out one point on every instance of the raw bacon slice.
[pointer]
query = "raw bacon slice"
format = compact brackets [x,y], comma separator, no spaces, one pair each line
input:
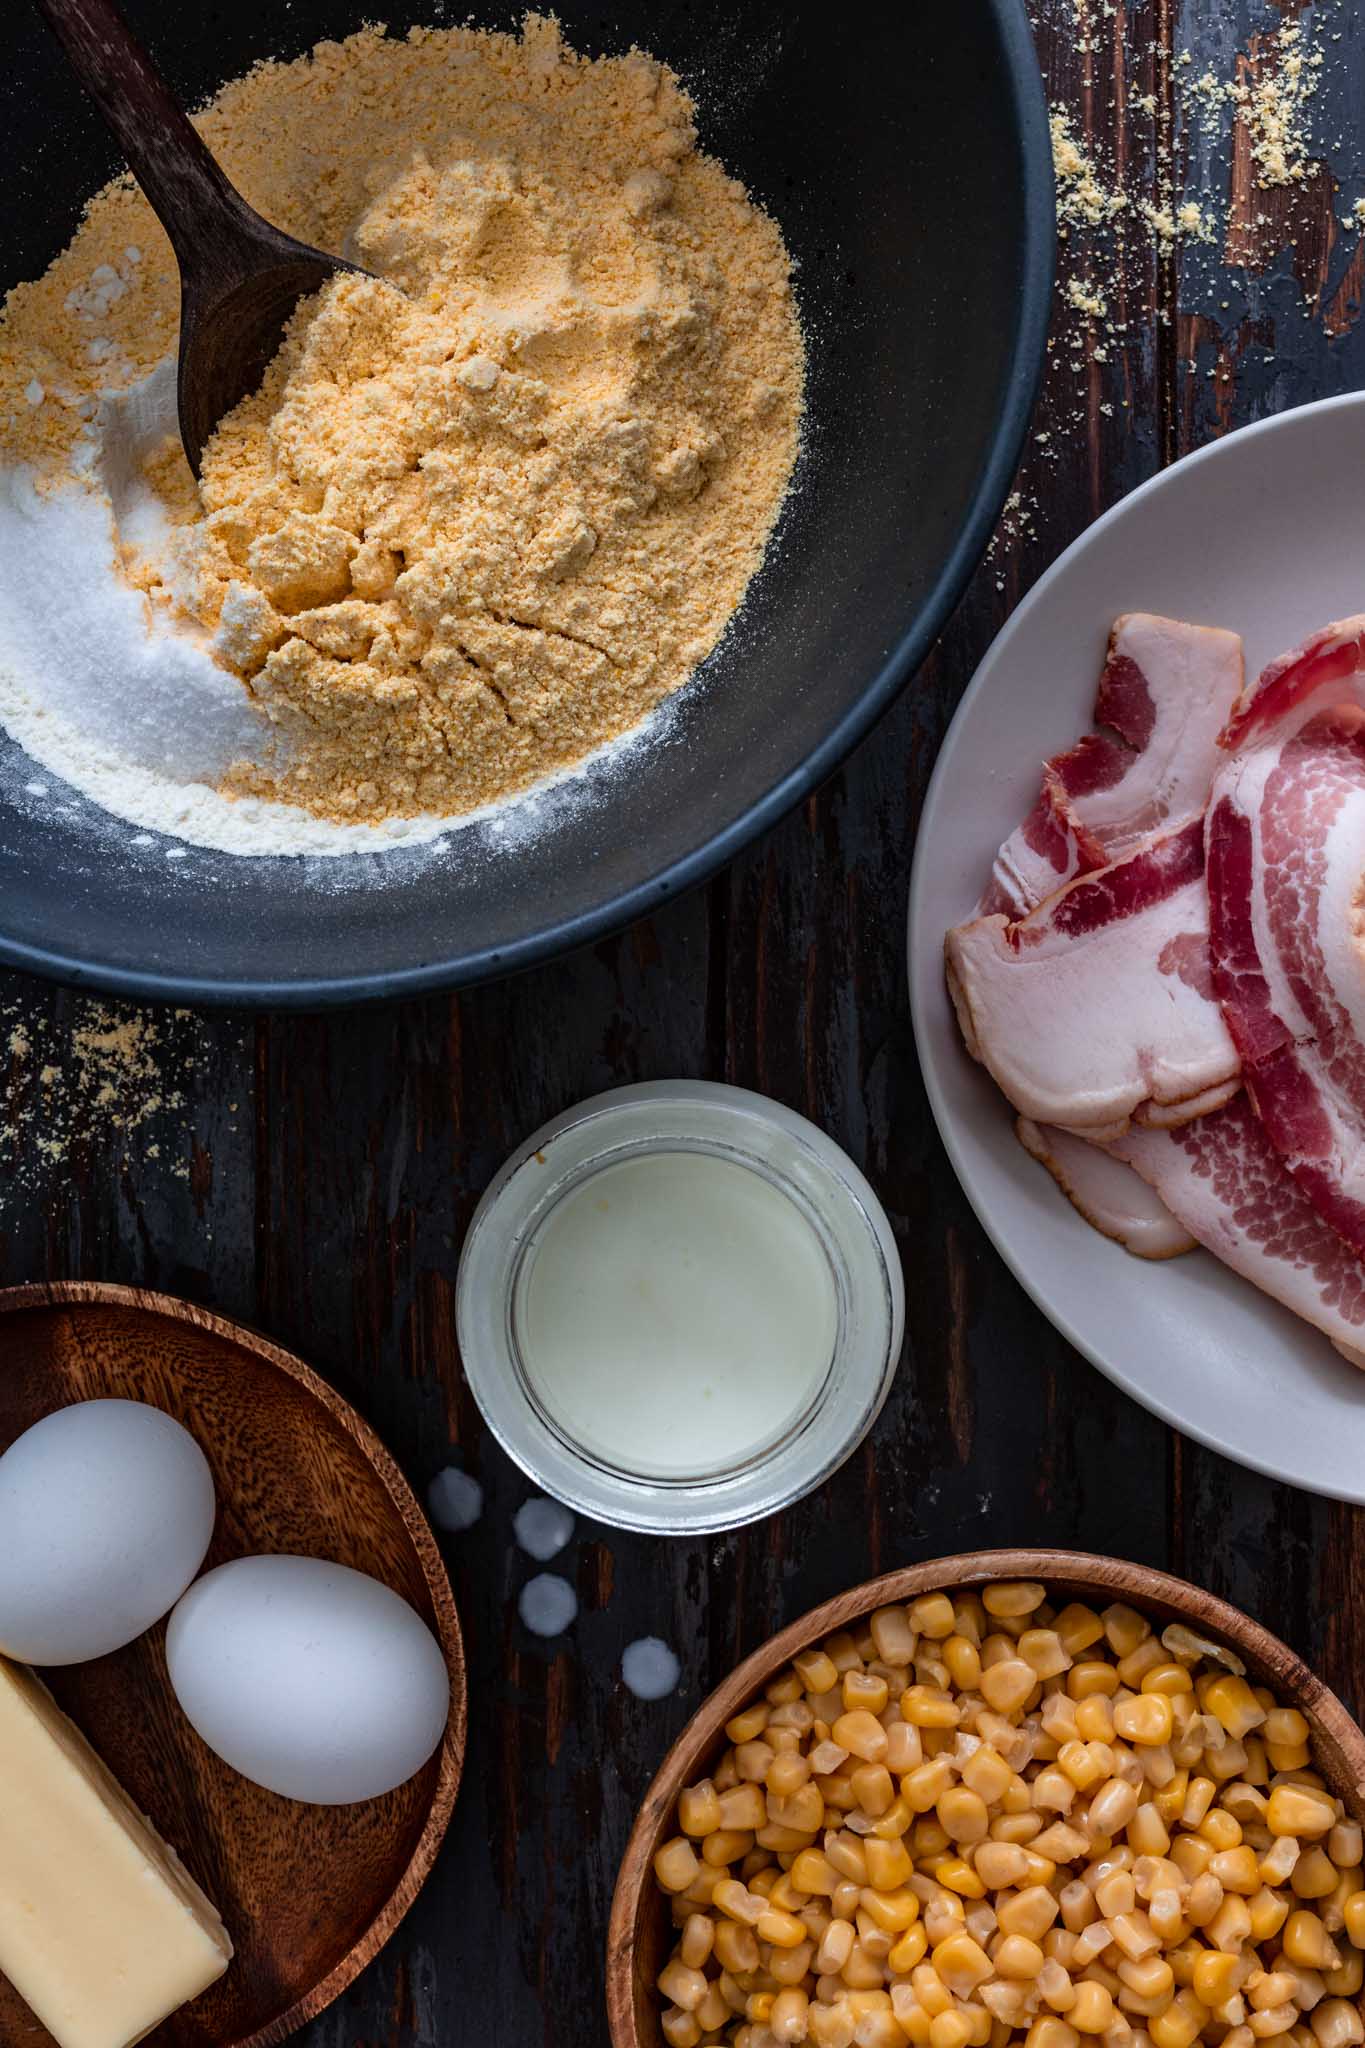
[1309,679]
[1222,1178]
[1286,869]
[1111,1196]
[1047,851]
[1166,690]
[1098,1006]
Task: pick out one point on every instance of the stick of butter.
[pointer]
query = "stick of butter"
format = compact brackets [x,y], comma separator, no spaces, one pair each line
[102,1930]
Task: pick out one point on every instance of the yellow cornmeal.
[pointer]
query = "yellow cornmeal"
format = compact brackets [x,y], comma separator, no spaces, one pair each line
[497,501]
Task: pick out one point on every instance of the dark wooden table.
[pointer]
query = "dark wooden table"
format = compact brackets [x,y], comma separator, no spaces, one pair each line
[318,1174]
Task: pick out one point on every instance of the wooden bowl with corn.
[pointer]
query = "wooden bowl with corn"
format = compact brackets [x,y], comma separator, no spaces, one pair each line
[1023,1796]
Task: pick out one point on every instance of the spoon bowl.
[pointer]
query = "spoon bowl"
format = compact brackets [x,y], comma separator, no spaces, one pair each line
[240,278]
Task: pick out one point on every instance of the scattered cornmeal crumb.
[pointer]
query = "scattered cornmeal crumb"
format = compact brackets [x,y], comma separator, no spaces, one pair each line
[496,501]
[1082,200]
[93,1073]
[1273,102]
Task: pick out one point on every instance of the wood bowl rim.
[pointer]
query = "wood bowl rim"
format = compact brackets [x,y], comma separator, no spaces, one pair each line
[58,1294]
[1143,1585]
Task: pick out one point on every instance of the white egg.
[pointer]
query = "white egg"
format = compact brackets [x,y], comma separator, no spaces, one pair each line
[309,1678]
[106,1511]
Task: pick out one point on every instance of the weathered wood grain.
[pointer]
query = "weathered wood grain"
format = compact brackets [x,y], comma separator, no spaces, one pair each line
[329,1203]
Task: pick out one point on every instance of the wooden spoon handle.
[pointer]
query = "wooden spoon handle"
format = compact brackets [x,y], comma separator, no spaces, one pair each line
[194,201]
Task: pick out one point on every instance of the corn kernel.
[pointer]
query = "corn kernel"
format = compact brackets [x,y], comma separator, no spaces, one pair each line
[1231,1701]
[999,1864]
[1124,1628]
[932,1615]
[1237,1870]
[1181,2024]
[1353,1912]
[675,1866]
[787,1773]
[679,2028]
[1017,1956]
[1079,1627]
[1112,1807]
[682,1986]
[887,1864]
[1146,1718]
[963,1660]
[962,1815]
[866,1690]
[872,1788]
[743,1809]
[928,1706]
[1286,1727]
[861,1734]
[1347,1978]
[987,1774]
[699,1809]
[1278,2019]
[1287,1757]
[893,1911]
[737,1902]
[1230,1927]
[949,2030]
[1299,1810]
[1010,1598]
[959,1876]
[1092,2010]
[1148,1834]
[817,1670]
[1346,1844]
[1307,1943]
[1221,1829]
[726,1845]
[962,1964]
[1215,1976]
[893,1636]
[1089,1681]
[1043,1650]
[1336,2023]
[1314,1875]
[1007,1685]
[789,2019]
[909,1950]
[1170,1679]
[1029,1912]
[748,1723]
[1047,2032]
[1147,1977]
[1268,1911]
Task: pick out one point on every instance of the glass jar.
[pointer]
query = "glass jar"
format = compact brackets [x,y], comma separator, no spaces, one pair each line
[845,1220]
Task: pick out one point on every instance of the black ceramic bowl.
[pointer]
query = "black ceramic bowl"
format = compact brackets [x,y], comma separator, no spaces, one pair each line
[904,150]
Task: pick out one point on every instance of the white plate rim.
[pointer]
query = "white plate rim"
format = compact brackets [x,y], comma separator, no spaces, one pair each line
[1171,478]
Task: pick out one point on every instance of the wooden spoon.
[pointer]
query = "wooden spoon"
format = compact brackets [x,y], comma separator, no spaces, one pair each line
[240,278]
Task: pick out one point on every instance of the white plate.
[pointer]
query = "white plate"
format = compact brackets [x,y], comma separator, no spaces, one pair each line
[1263,532]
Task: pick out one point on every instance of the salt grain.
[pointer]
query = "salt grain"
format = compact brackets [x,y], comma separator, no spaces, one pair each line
[454,1499]
[542,1527]
[548,1604]
[650,1669]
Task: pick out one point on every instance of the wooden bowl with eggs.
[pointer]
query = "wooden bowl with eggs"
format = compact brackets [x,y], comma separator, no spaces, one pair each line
[640,1935]
[309,1893]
